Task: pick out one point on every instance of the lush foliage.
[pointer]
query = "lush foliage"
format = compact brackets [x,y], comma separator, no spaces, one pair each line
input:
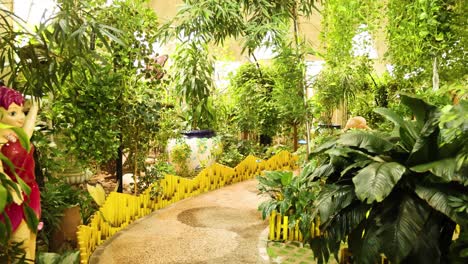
[70,257]
[342,21]
[289,90]
[397,193]
[193,80]
[179,156]
[139,93]
[60,49]
[433,31]
[58,197]
[255,109]
[152,175]
[85,120]
[338,87]
[289,195]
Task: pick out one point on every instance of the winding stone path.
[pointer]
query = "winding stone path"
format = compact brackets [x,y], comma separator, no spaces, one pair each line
[221,226]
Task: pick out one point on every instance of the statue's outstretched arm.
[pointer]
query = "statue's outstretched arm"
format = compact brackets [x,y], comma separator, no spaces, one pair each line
[30,119]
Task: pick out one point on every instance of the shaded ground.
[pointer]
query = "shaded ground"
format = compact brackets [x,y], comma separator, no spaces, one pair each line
[222,226]
[292,253]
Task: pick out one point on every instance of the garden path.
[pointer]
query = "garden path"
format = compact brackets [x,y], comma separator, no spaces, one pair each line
[221,226]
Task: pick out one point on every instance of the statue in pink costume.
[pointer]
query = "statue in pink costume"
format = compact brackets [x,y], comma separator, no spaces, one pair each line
[11,113]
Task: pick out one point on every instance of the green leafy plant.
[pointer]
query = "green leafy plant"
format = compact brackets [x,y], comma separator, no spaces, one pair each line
[12,252]
[393,193]
[230,156]
[193,80]
[255,109]
[289,92]
[153,174]
[71,257]
[60,49]
[289,195]
[434,32]
[180,155]
[57,196]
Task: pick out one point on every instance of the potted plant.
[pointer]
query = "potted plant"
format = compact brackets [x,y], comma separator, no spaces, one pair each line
[64,207]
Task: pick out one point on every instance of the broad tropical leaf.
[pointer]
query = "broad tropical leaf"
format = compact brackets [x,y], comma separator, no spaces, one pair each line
[359,164]
[365,243]
[286,177]
[438,199]
[365,141]
[419,107]
[308,169]
[401,232]
[342,224]
[332,199]
[408,132]
[376,181]
[444,168]
[97,193]
[426,147]
[322,249]
[327,145]
[322,171]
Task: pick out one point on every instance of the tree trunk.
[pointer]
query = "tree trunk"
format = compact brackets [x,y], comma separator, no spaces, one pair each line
[295,137]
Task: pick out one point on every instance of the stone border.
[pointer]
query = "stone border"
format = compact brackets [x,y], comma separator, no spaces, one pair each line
[262,246]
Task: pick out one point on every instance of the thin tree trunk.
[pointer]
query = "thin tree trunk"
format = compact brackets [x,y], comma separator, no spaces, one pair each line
[119,166]
[295,137]
[135,169]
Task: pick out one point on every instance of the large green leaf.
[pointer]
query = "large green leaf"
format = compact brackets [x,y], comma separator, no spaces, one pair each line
[3,197]
[286,178]
[358,164]
[327,145]
[444,168]
[426,146]
[408,132]
[31,218]
[437,199]
[22,137]
[342,224]
[365,140]
[401,232]
[365,243]
[322,171]
[332,199]
[376,181]
[419,107]
[308,169]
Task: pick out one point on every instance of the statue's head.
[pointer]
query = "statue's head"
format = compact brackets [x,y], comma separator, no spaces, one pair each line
[357,122]
[11,107]
[9,96]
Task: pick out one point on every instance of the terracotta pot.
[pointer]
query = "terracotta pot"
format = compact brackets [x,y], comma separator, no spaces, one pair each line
[66,233]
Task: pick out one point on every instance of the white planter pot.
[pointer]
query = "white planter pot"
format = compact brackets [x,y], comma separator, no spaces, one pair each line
[204,149]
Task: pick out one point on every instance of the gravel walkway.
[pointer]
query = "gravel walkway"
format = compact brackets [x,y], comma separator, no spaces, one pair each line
[221,226]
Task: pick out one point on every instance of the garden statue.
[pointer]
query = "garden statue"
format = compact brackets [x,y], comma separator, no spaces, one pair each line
[155,65]
[11,113]
[358,122]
